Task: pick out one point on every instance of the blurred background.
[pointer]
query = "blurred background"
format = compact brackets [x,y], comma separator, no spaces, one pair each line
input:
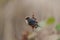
[13,13]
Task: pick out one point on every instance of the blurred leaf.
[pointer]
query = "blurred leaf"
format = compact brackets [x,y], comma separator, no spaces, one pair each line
[50,20]
[58,27]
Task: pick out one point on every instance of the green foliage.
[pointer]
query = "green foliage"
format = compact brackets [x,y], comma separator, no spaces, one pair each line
[58,27]
[50,20]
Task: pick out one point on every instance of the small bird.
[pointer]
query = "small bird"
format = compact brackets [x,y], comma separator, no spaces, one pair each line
[32,22]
